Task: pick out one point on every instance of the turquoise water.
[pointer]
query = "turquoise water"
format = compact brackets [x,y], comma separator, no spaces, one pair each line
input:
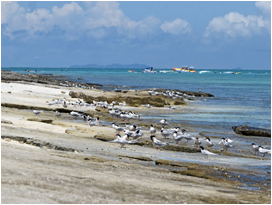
[238,98]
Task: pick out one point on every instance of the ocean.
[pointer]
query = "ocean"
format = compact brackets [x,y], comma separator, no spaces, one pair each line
[239,99]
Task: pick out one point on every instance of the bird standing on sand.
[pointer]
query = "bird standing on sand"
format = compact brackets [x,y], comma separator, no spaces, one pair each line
[264,151]
[255,148]
[58,114]
[165,133]
[137,134]
[206,152]
[132,127]
[163,122]
[178,136]
[75,114]
[197,141]
[117,128]
[50,103]
[122,104]
[186,135]
[36,112]
[209,143]
[157,143]
[225,144]
[152,129]
[123,140]
[64,104]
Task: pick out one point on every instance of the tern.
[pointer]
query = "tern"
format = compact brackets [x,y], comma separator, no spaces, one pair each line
[225,144]
[137,134]
[206,152]
[197,141]
[152,129]
[157,143]
[209,143]
[132,127]
[122,104]
[264,151]
[75,114]
[163,122]
[165,133]
[255,148]
[58,114]
[123,140]
[50,103]
[36,112]
[117,128]
[186,135]
[178,136]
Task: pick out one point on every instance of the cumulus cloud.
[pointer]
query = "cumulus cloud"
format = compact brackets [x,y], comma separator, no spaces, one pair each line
[176,27]
[264,6]
[74,21]
[235,24]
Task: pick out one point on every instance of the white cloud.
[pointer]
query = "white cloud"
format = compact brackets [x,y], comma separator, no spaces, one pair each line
[176,27]
[264,6]
[234,24]
[74,20]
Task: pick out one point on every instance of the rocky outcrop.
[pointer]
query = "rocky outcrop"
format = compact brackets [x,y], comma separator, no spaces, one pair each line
[156,101]
[38,143]
[251,131]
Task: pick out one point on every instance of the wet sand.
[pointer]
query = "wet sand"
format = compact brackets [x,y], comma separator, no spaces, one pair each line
[46,159]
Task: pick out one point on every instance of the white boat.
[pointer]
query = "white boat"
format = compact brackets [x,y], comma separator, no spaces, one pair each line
[165,71]
[149,70]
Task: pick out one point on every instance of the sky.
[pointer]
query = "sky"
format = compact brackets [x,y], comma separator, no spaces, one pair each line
[161,34]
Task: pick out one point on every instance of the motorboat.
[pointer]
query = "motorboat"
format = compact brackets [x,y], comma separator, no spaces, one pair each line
[149,70]
[185,69]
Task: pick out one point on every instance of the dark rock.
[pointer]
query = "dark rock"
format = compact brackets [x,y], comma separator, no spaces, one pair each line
[40,120]
[251,131]
[6,122]
[38,143]
[104,138]
[141,158]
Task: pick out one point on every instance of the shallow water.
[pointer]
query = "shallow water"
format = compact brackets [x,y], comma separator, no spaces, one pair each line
[238,98]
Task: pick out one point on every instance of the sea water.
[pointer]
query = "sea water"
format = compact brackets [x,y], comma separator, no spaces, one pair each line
[240,96]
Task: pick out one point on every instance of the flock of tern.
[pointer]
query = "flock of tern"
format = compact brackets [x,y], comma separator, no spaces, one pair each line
[135,132]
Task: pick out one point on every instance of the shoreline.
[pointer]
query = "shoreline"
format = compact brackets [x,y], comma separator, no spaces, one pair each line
[65,155]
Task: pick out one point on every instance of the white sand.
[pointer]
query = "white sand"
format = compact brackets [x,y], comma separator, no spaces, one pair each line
[42,175]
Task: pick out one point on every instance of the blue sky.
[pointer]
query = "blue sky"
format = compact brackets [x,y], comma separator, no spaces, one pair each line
[162,34]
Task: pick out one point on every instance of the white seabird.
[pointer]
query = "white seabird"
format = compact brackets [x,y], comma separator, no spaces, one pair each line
[178,136]
[264,151]
[197,141]
[36,112]
[152,129]
[123,140]
[165,133]
[225,144]
[117,128]
[137,134]
[206,152]
[209,143]
[157,143]
[163,122]
[58,114]
[186,135]
[255,148]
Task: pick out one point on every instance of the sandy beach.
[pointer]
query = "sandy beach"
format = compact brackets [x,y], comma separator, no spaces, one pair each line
[48,159]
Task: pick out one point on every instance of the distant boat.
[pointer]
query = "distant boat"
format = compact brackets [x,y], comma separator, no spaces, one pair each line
[132,71]
[185,69]
[149,70]
[165,71]
[204,71]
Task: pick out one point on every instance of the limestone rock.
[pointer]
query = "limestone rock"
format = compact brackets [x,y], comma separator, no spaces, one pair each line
[251,131]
